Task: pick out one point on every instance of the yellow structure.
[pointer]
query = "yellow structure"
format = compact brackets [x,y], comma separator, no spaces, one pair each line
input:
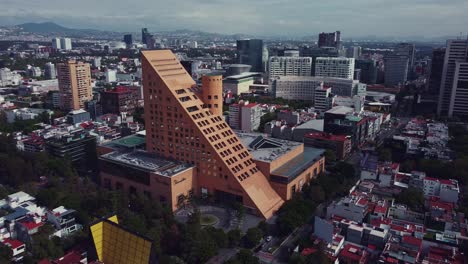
[115,244]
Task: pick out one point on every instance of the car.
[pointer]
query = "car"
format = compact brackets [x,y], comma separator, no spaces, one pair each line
[268,238]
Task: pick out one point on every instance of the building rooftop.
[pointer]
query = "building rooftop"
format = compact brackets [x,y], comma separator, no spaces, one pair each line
[327,136]
[316,124]
[132,141]
[266,149]
[298,164]
[148,162]
[340,110]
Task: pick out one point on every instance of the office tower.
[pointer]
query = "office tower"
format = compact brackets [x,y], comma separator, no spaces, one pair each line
[323,100]
[265,56]
[145,35]
[250,52]
[65,43]
[128,39]
[406,49]
[368,74]
[396,70]
[452,98]
[49,71]
[354,52]
[332,39]
[335,67]
[437,66]
[289,66]
[56,43]
[74,80]
[179,127]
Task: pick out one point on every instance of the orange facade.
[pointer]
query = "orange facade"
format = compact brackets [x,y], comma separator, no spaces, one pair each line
[75,88]
[180,126]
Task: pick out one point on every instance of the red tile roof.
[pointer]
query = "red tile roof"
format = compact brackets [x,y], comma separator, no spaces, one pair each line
[351,252]
[30,225]
[72,257]
[12,243]
[412,241]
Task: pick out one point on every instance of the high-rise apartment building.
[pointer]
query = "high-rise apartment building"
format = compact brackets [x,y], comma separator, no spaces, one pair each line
[250,52]
[245,116]
[396,70]
[323,100]
[453,80]
[74,80]
[354,52]
[289,66]
[335,67]
[315,53]
[65,43]
[49,71]
[56,43]
[332,39]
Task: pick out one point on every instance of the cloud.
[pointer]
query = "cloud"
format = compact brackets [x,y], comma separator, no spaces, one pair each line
[261,17]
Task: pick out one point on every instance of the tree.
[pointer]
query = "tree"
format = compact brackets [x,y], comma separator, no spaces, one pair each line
[234,237]
[253,236]
[5,253]
[268,117]
[412,197]
[330,156]
[385,154]
[246,256]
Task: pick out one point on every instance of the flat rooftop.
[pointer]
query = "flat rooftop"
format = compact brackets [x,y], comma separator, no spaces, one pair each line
[264,148]
[300,163]
[149,162]
[132,141]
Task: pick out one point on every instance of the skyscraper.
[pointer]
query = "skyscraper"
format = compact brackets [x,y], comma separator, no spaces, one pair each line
[128,39]
[335,67]
[289,66]
[437,66]
[396,70]
[354,52]
[66,43]
[145,35]
[180,127]
[250,52]
[74,80]
[332,39]
[49,71]
[453,99]
[56,43]
[406,49]
[368,69]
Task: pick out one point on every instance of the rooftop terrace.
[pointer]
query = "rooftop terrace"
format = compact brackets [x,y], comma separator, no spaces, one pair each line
[266,149]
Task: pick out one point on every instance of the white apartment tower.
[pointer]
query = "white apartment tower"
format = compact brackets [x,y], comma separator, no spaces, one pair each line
[335,67]
[66,43]
[453,96]
[289,66]
[56,43]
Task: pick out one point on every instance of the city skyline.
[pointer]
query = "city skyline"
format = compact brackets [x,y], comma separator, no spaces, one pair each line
[279,17]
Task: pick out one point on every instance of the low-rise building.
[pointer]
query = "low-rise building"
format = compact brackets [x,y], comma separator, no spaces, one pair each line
[340,144]
[354,208]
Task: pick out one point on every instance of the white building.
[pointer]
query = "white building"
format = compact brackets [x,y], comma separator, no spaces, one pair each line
[250,117]
[323,99]
[96,62]
[9,78]
[65,43]
[335,67]
[111,75]
[24,114]
[64,221]
[56,43]
[357,102]
[447,190]
[351,208]
[289,66]
[303,87]
[49,71]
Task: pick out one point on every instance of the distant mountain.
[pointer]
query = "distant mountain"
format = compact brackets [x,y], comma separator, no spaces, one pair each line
[46,27]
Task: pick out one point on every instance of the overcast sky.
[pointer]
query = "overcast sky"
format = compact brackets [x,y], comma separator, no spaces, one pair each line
[261,17]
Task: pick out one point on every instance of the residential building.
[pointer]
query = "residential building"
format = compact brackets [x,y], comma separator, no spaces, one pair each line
[315,53]
[339,144]
[111,75]
[323,98]
[121,100]
[352,254]
[351,208]
[49,71]
[56,43]
[65,44]
[250,52]
[64,221]
[77,117]
[74,84]
[245,116]
[396,70]
[289,66]
[75,145]
[332,39]
[335,67]
[9,78]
